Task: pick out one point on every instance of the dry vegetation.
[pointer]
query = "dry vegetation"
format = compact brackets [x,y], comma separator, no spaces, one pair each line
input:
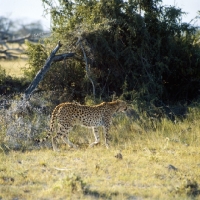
[148,159]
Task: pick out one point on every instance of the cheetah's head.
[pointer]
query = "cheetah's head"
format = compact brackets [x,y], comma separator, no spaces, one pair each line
[121,106]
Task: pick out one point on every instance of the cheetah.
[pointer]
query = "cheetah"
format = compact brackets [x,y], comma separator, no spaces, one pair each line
[67,115]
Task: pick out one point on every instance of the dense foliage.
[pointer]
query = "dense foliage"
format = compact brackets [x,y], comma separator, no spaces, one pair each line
[138,49]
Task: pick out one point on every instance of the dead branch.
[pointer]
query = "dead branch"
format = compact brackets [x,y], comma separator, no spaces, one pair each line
[64,56]
[39,76]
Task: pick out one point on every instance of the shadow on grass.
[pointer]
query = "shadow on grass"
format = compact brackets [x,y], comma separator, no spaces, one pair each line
[97,194]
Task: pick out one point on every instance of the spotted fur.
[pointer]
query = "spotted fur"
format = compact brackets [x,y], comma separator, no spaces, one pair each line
[67,115]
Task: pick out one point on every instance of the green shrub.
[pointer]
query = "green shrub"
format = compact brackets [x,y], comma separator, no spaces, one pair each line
[9,85]
[155,54]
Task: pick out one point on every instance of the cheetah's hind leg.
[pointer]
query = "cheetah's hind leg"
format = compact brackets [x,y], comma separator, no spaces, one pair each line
[53,144]
[66,140]
[63,134]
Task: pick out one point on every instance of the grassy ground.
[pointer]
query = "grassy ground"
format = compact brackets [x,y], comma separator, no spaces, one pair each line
[14,68]
[160,160]
[148,158]
[96,173]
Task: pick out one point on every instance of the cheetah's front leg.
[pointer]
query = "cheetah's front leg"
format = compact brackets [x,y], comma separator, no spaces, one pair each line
[53,144]
[66,140]
[96,136]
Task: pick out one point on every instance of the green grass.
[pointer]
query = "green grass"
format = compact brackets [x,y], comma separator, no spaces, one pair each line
[145,171]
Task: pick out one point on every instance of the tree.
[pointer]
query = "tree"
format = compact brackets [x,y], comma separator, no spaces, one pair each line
[153,56]
[11,32]
[31,28]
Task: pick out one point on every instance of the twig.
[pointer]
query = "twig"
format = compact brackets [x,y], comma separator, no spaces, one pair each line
[86,67]
[61,169]
[145,68]
[105,82]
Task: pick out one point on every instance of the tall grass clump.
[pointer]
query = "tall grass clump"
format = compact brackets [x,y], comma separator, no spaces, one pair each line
[21,122]
[140,129]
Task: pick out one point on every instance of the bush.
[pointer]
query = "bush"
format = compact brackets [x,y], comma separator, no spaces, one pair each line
[151,57]
[9,85]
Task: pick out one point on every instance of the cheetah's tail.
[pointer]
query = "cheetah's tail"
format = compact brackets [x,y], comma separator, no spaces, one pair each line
[53,116]
[43,139]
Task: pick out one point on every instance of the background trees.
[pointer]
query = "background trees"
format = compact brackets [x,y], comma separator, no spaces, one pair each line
[137,49]
[13,35]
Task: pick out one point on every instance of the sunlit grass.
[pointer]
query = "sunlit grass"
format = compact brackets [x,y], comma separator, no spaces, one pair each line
[141,173]
[14,68]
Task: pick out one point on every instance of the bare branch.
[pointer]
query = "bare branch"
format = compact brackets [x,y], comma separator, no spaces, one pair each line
[39,76]
[64,56]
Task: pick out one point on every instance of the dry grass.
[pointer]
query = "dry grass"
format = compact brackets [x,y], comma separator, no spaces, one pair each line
[97,173]
[161,163]
[14,68]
